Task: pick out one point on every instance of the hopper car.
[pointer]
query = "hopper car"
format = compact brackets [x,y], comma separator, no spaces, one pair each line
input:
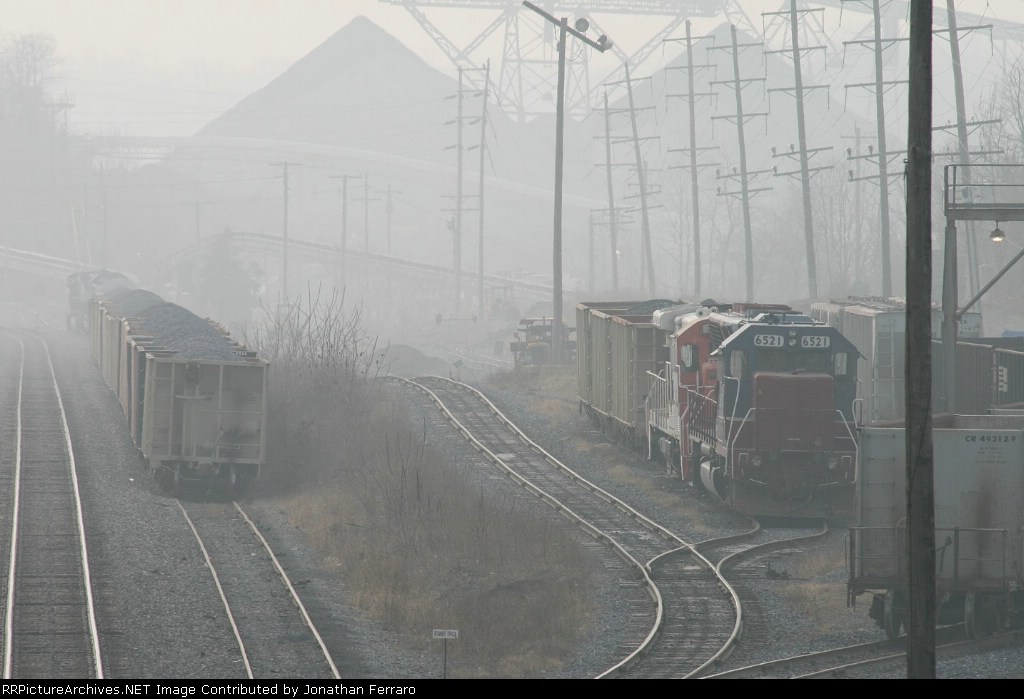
[194,399]
[978,466]
[754,402]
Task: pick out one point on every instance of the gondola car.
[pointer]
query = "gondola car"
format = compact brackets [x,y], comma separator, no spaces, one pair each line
[753,401]
[194,399]
[83,285]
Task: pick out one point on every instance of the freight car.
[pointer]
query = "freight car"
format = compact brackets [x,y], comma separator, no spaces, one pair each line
[979,520]
[877,327]
[194,399]
[753,401]
[82,286]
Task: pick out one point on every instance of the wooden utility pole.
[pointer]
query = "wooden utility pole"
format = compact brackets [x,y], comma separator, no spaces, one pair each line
[744,174]
[638,164]
[691,96]
[366,211]
[645,222]
[963,152]
[483,169]
[883,154]
[456,222]
[344,217]
[921,596]
[284,256]
[612,215]
[802,153]
[390,209]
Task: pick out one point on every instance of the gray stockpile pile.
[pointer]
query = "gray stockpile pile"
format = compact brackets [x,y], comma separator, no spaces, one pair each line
[179,329]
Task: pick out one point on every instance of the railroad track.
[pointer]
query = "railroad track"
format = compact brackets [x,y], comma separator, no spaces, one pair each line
[869,659]
[50,628]
[274,633]
[690,615]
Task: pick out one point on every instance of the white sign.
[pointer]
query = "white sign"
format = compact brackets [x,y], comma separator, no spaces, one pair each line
[446,633]
[768,341]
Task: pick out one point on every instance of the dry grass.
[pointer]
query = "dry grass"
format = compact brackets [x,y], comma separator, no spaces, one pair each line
[418,543]
[817,588]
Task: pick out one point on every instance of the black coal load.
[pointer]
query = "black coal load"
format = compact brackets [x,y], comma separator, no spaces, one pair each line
[182,331]
[129,303]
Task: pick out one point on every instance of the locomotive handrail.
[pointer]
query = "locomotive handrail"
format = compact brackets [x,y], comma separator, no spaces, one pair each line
[730,439]
[856,446]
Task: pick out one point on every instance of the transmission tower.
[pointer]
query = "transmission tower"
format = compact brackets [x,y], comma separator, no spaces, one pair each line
[528,71]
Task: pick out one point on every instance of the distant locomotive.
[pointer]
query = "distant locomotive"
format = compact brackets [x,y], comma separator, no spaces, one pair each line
[195,400]
[753,401]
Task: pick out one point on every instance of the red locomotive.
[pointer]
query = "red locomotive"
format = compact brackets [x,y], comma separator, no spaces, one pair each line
[753,401]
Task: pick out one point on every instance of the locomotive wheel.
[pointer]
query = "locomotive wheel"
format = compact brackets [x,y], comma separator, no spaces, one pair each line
[893,615]
[983,614]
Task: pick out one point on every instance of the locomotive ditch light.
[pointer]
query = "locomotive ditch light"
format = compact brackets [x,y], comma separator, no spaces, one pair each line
[756,461]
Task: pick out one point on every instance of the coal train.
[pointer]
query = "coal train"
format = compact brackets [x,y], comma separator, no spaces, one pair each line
[753,401]
[194,399]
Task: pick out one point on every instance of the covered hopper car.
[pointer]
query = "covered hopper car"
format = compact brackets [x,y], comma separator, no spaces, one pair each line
[753,401]
[195,400]
[978,469]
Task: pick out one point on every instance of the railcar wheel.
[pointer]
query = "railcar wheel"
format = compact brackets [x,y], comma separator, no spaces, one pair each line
[983,614]
[164,477]
[893,614]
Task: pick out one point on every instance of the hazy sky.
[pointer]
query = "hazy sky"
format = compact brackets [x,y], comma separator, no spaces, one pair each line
[166,67]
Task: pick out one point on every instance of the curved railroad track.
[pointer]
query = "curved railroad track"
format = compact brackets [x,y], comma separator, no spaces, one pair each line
[869,659]
[50,627]
[690,615]
[274,633]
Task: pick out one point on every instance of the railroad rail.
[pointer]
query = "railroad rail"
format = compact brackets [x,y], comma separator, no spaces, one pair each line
[872,658]
[692,615]
[50,627]
[276,637]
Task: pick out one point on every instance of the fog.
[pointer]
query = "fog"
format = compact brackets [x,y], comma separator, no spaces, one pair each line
[343,171]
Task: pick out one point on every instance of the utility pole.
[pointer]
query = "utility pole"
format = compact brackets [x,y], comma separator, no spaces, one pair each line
[691,96]
[802,153]
[920,498]
[483,155]
[284,257]
[883,154]
[854,176]
[460,196]
[344,217]
[602,45]
[963,152]
[390,209]
[366,211]
[638,165]
[612,214]
[590,257]
[645,222]
[743,175]
[197,279]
